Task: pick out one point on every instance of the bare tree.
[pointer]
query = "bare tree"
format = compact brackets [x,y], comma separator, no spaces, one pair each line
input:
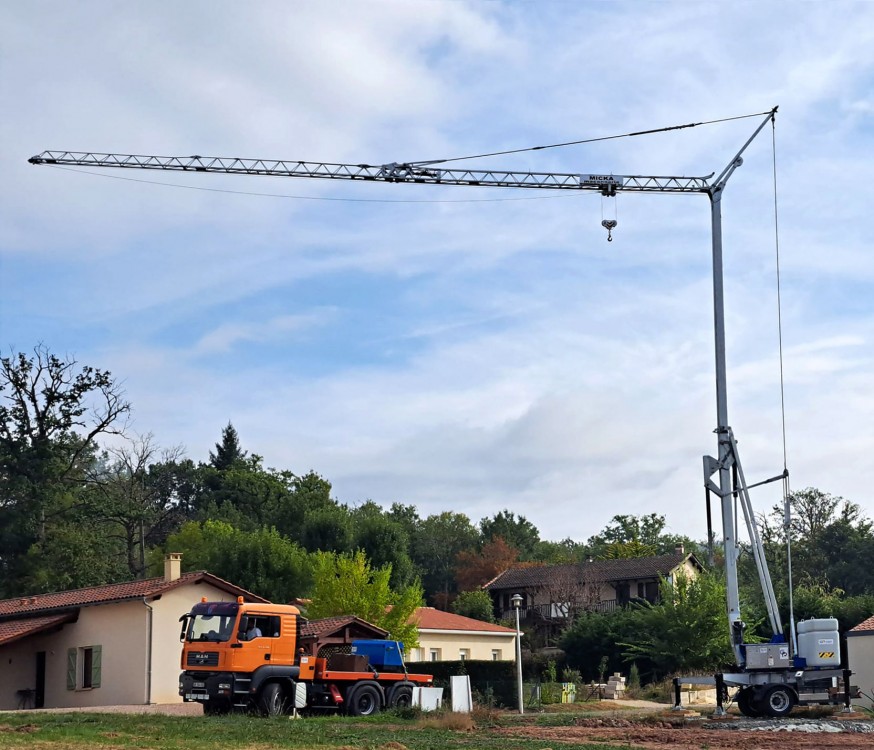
[126,499]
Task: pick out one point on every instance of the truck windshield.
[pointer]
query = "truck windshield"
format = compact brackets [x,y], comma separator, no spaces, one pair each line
[212,621]
[211,627]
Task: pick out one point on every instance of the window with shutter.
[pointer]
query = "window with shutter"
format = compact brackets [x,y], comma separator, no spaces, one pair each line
[71,668]
[84,667]
[96,659]
[87,661]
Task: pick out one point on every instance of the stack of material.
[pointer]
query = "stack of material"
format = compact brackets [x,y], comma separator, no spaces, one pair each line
[615,687]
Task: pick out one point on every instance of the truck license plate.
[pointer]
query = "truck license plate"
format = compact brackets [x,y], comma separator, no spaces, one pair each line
[196,697]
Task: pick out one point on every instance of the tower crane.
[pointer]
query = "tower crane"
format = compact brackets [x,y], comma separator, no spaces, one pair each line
[772,677]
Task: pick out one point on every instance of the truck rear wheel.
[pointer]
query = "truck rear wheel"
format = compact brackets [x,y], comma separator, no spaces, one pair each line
[363,700]
[273,700]
[778,701]
[746,705]
[400,696]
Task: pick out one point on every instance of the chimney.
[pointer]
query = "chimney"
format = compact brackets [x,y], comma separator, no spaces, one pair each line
[680,549]
[172,566]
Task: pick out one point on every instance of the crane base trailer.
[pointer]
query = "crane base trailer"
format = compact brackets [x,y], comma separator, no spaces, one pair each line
[773,681]
[266,657]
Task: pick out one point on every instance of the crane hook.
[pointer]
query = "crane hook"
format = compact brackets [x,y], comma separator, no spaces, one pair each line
[609,225]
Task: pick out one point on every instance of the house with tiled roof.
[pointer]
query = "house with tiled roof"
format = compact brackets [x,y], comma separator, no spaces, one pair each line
[860,658]
[116,644]
[552,593]
[445,636]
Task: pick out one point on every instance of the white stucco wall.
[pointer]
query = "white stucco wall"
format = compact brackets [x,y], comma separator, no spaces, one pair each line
[166,648]
[860,658]
[121,630]
[449,644]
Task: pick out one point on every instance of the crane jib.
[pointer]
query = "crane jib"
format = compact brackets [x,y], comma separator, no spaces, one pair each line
[607,184]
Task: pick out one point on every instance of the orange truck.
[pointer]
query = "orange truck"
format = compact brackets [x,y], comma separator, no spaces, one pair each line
[249,656]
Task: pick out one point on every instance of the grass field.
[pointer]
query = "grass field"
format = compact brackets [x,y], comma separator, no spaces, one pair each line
[95,731]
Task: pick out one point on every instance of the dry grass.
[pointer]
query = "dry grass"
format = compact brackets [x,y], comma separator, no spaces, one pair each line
[454,722]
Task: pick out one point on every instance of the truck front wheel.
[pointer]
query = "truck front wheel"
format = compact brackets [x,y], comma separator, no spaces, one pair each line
[364,700]
[273,700]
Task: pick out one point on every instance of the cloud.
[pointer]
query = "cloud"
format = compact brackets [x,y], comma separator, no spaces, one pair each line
[465,352]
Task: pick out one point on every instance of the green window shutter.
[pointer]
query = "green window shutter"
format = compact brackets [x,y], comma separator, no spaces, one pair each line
[71,669]
[96,660]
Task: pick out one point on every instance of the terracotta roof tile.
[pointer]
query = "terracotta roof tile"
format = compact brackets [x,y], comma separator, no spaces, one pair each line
[328,625]
[599,570]
[113,592]
[862,626]
[429,618]
[12,630]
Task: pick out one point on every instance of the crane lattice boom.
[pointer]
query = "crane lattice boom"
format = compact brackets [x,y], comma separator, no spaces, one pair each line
[607,184]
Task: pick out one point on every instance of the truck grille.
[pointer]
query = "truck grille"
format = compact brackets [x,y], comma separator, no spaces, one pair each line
[202,659]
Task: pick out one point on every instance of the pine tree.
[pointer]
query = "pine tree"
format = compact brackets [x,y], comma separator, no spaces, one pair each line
[228,452]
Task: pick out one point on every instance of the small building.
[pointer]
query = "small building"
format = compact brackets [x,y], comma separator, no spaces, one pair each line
[116,644]
[860,658]
[445,636]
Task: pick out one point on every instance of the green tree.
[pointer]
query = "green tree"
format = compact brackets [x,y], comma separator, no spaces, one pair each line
[260,561]
[384,541]
[686,630]
[228,452]
[647,531]
[346,584]
[519,532]
[476,604]
[592,643]
[559,553]
[627,550]
[439,540]
[53,412]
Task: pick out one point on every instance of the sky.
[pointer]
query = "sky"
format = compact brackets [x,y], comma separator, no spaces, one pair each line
[457,348]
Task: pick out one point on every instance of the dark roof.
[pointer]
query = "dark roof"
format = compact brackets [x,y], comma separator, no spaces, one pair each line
[13,630]
[595,571]
[148,588]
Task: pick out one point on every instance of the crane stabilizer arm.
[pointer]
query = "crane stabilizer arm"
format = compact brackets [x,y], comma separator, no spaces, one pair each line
[407,173]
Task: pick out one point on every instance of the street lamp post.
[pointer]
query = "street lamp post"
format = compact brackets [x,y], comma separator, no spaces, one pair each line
[516,601]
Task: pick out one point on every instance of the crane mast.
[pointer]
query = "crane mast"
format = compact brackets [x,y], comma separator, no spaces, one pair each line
[726,464]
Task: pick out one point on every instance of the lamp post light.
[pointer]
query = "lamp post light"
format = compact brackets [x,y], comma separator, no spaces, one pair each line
[516,601]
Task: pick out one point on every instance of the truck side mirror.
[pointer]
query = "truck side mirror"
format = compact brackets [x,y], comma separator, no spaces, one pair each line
[244,627]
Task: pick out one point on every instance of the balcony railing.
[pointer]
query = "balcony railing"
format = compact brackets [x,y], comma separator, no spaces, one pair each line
[557,611]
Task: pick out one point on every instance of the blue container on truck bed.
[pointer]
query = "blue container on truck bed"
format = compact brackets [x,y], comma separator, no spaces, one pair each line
[381,654]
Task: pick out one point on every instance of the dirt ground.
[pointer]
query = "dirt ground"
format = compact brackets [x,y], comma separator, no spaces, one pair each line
[791,735]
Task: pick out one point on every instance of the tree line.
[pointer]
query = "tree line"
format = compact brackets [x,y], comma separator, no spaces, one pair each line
[84,502]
